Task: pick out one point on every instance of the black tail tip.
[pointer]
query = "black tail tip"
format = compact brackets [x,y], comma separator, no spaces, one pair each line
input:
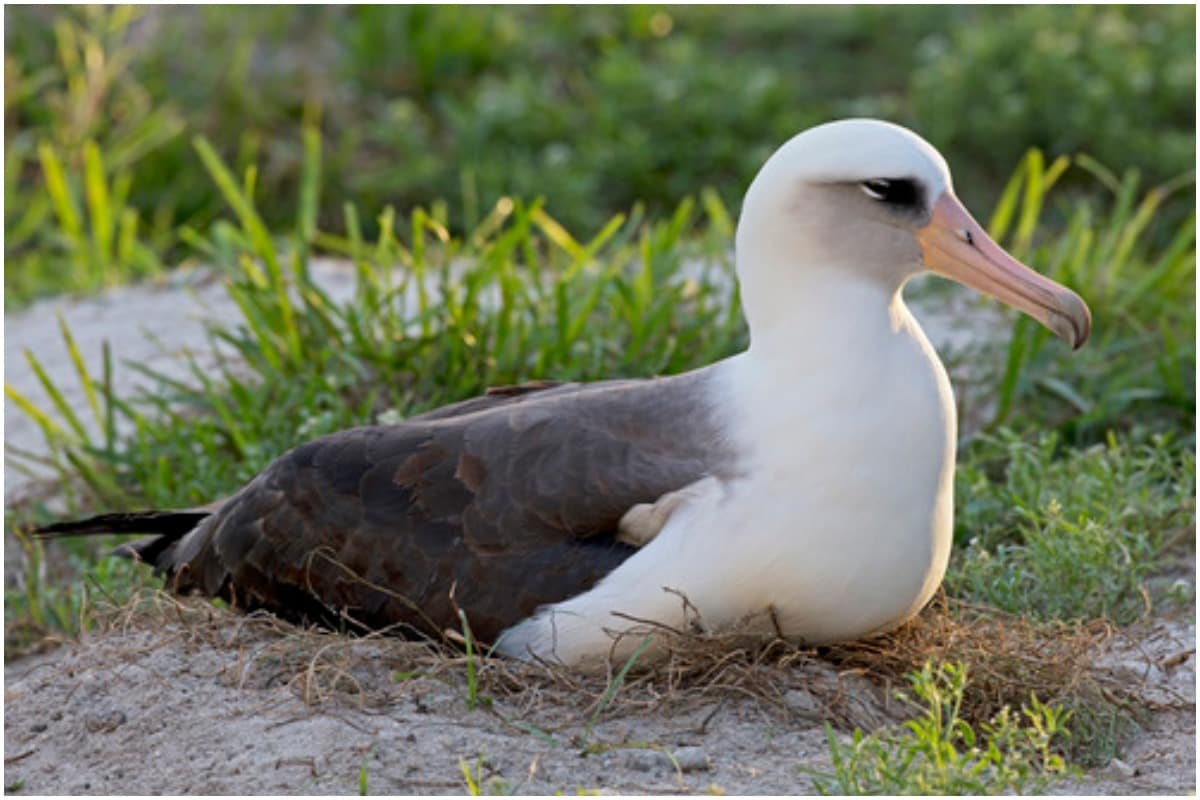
[168,523]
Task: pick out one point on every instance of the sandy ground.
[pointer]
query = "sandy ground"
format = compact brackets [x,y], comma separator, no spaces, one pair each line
[152,697]
[153,708]
[177,709]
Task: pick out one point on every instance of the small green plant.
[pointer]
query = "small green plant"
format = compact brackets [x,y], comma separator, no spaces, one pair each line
[939,753]
[40,602]
[1074,534]
[474,700]
[475,784]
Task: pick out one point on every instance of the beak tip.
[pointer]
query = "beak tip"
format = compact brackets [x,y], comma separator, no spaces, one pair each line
[1078,326]
[1082,321]
[1070,320]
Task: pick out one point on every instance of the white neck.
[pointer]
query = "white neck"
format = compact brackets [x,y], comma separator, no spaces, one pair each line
[836,349]
[812,315]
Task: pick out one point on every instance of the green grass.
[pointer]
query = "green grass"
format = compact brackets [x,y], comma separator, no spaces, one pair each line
[611,691]
[56,595]
[593,109]
[474,700]
[364,787]
[1075,534]
[477,786]
[1138,368]
[939,753]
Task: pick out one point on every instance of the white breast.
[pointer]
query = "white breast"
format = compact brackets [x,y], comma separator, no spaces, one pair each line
[843,519]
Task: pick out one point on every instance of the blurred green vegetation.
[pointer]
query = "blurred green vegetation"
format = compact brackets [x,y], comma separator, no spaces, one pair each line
[594,109]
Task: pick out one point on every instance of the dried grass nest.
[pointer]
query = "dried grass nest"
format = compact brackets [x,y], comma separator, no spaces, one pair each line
[849,685]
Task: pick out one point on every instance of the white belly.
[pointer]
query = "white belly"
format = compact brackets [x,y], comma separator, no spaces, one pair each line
[837,555]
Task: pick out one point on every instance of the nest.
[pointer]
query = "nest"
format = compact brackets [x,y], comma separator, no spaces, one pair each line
[849,685]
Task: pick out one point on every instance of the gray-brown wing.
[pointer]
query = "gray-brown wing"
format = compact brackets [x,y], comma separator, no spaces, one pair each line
[511,506]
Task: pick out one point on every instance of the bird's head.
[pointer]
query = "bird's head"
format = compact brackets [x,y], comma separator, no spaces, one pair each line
[873,202]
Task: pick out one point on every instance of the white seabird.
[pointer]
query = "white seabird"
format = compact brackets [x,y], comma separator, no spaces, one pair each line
[839,516]
[811,475]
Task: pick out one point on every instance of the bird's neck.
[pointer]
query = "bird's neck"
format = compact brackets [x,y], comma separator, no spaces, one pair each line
[835,369]
[820,316]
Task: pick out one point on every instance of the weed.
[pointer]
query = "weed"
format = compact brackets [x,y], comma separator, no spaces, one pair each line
[1074,534]
[939,753]
[475,784]
[46,596]
[473,698]
[86,123]
[363,787]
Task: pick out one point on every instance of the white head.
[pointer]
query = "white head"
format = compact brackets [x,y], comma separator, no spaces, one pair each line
[868,202]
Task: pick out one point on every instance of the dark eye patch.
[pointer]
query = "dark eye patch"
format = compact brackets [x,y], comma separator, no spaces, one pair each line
[900,192]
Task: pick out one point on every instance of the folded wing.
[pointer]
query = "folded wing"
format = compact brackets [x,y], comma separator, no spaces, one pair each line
[496,505]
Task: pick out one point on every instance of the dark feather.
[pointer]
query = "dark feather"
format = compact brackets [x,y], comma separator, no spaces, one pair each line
[495,505]
[167,523]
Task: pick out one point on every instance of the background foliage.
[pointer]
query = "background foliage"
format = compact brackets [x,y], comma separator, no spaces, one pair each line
[595,109]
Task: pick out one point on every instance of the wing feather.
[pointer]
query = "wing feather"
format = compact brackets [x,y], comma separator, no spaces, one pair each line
[509,501]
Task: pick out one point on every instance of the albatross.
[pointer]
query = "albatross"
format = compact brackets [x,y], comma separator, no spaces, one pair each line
[810,475]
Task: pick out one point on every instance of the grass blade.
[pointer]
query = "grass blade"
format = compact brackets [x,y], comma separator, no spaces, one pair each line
[99,205]
[615,686]
[51,389]
[61,197]
[85,379]
[260,239]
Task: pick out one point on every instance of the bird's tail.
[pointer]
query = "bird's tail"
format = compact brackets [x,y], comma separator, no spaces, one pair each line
[166,523]
[167,527]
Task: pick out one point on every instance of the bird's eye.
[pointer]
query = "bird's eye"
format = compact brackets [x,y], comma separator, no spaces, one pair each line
[897,192]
